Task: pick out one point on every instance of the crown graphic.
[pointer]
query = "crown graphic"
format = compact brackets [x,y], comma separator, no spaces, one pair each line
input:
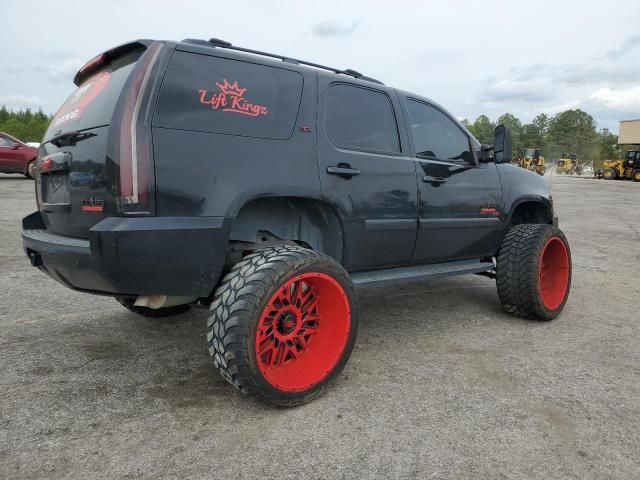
[231,89]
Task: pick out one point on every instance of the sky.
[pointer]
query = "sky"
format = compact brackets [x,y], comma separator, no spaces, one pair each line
[475,57]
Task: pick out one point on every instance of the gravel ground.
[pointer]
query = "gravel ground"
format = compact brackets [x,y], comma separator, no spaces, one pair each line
[441,383]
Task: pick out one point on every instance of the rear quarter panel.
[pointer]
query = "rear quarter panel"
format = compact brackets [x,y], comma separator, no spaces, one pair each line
[199,173]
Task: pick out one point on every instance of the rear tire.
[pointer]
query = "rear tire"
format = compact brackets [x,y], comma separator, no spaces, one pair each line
[282,324]
[152,312]
[534,271]
[636,176]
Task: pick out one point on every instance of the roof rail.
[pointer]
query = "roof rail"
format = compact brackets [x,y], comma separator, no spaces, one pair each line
[216,42]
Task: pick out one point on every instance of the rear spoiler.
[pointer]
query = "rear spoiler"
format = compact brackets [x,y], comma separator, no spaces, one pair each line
[98,62]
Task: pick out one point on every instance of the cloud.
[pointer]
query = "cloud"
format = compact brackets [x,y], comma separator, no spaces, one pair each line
[621,99]
[17,102]
[526,91]
[14,69]
[628,46]
[330,29]
[63,71]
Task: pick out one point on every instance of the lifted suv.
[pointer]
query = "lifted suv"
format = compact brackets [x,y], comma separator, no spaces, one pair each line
[264,187]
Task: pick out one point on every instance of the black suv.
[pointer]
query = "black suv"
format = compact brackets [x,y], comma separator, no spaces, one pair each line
[197,173]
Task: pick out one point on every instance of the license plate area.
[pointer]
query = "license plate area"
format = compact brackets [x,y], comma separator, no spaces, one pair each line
[55,188]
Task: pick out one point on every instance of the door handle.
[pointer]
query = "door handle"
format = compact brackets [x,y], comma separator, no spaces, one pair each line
[345,171]
[430,179]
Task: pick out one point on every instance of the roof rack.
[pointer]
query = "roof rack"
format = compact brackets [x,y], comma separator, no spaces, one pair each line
[216,42]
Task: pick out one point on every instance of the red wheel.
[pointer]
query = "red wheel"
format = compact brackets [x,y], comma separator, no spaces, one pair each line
[283,324]
[302,332]
[534,271]
[553,273]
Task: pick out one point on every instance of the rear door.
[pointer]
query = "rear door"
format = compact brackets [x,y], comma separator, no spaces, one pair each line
[366,173]
[460,213]
[78,176]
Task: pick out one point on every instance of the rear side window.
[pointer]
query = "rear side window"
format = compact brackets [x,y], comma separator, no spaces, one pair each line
[361,119]
[93,102]
[218,95]
[436,135]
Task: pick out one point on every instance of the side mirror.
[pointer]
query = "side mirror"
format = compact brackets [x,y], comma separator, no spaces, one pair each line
[485,155]
[503,149]
[15,146]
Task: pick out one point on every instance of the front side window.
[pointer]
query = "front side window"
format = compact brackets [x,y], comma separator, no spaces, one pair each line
[435,135]
[361,119]
[5,142]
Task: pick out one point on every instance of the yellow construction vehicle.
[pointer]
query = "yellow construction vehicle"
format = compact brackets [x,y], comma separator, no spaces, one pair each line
[532,160]
[568,164]
[627,168]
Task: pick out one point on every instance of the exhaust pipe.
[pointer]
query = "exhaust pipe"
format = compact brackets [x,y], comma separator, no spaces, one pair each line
[161,301]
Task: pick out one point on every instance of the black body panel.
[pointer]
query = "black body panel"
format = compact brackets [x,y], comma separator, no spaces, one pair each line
[133,256]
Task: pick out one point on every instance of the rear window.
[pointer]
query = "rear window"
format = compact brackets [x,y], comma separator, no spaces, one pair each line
[218,95]
[93,102]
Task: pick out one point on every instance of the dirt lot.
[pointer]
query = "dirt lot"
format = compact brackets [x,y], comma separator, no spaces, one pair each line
[441,384]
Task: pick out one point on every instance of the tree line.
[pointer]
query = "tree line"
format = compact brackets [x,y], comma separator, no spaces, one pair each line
[571,131]
[24,125]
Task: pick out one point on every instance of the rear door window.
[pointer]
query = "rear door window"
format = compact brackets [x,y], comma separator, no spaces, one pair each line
[93,102]
[361,119]
[219,95]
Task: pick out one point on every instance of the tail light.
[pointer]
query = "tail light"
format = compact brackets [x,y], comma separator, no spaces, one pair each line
[134,152]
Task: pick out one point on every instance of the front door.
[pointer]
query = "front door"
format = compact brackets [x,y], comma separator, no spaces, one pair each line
[460,200]
[11,155]
[366,174]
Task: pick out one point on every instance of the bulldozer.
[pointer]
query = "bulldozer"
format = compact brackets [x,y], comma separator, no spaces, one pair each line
[532,160]
[568,164]
[627,168]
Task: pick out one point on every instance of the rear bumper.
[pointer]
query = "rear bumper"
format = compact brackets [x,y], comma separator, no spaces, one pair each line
[133,256]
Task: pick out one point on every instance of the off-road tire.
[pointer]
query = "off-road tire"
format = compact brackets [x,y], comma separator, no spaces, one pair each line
[636,176]
[519,263]
[152,312]
[238,308]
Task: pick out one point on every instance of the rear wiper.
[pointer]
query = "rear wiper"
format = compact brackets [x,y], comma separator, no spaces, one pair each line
[69,138]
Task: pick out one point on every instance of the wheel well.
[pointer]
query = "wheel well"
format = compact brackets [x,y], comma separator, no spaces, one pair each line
[276,220]
[531,212]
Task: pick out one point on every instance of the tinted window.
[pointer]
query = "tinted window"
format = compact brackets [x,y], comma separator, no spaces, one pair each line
[436,135]
[218,95]
[93,102]
[361,118]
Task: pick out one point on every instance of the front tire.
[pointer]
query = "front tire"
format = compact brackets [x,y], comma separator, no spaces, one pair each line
[636,176]
[534,271]
[282,324]
[610,174]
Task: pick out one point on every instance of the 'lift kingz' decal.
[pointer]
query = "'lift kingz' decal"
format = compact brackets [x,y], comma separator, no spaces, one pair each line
[230,98]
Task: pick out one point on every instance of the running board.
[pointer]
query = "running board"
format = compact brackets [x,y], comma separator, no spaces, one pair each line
[420,272]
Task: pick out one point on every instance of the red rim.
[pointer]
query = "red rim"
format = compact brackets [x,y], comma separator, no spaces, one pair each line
[302,332]
[553,273]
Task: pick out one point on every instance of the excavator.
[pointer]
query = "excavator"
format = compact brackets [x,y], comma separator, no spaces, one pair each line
[532,160]
[627,168]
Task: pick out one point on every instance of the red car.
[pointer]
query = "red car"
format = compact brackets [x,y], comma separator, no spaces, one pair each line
[17,156]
